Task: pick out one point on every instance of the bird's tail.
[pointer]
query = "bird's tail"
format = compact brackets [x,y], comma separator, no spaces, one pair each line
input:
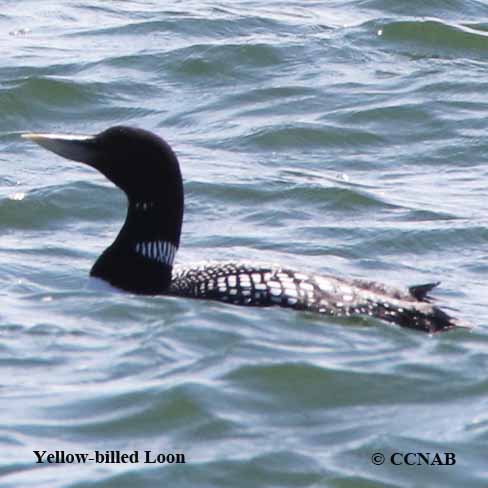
[431,321]
[421,292]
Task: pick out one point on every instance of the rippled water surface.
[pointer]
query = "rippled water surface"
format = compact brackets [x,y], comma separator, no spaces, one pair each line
[345,137]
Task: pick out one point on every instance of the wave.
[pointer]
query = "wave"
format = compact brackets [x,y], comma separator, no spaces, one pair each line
[436,34]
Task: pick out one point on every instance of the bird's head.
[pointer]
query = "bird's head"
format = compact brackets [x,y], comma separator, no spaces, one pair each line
[140,163]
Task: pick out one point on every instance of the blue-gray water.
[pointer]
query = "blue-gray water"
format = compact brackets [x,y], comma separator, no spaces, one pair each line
[345,137]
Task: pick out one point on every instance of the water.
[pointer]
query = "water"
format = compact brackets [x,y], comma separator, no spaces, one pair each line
[344,137]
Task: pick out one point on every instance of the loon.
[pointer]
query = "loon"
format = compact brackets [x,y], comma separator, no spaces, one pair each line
[141,258]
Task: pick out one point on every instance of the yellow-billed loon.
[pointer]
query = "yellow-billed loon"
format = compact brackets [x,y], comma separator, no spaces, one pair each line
[140,260]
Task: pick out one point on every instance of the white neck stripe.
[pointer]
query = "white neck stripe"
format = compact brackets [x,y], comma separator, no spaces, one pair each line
[161,251]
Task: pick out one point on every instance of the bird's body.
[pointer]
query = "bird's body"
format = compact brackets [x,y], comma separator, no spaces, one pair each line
[263,286]
[141,259]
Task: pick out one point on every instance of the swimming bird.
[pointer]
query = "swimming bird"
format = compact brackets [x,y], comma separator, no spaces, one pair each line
[141,259]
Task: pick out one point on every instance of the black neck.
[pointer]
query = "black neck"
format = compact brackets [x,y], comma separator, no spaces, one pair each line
[139,258]
[151,220]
